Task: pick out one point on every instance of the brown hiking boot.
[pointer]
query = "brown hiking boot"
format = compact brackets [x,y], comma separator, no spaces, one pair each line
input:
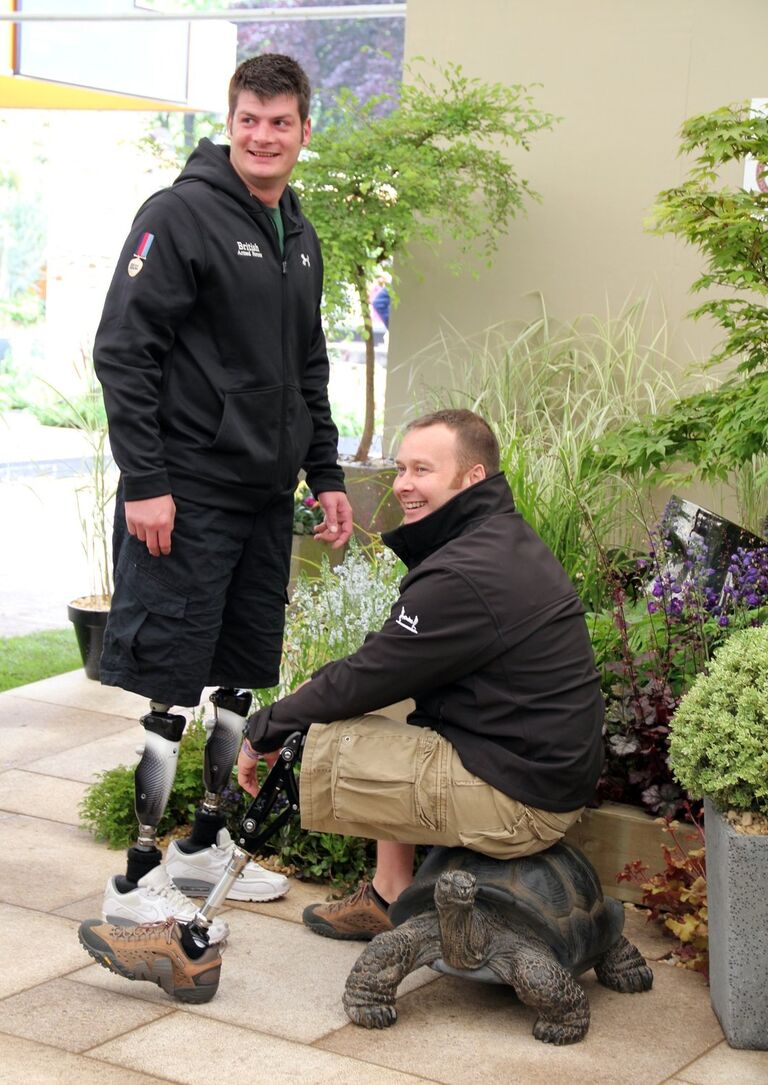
[154,952]
[358,916]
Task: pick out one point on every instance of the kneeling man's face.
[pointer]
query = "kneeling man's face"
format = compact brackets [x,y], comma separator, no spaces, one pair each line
[428,471]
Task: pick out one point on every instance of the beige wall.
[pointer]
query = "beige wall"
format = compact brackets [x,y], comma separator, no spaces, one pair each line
[623,75]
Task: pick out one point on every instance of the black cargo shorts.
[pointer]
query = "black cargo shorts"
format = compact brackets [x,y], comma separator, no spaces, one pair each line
[210,613]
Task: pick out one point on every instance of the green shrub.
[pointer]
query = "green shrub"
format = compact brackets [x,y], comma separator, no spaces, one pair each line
[719,733]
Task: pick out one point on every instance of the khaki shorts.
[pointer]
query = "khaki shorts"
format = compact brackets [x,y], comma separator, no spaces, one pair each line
[375,777]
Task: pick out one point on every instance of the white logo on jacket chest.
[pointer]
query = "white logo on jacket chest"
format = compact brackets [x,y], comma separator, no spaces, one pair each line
[248,248]
[305,260]
[406,622]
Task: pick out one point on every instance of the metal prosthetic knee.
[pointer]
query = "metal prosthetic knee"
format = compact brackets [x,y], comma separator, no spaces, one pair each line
[156,770]
[225,735]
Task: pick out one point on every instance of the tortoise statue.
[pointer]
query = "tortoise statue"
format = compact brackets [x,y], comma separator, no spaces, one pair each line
[533,923]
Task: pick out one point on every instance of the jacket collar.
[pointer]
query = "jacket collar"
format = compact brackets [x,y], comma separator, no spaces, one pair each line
[209,162]
[414,542]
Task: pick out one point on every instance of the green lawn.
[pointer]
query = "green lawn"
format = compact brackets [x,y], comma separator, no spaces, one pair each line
[36,656]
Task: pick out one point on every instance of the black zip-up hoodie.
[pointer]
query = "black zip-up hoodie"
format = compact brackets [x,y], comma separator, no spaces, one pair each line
[489,638]
[210,347]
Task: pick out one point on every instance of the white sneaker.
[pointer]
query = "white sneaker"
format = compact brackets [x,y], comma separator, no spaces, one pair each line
[197,872]
[154,900]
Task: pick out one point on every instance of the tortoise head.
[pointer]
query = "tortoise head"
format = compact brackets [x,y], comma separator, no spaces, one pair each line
[455,889]
[463,936]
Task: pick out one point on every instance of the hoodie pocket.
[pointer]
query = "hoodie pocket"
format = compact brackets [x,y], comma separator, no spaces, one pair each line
[248,436]
[249,440]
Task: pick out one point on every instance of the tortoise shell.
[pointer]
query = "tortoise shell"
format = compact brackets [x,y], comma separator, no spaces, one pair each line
[555,893]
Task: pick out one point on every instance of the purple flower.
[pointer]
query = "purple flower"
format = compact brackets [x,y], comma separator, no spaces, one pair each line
[723,620]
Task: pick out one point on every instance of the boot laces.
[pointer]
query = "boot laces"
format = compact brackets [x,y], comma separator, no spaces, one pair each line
[143,930]
[360,895]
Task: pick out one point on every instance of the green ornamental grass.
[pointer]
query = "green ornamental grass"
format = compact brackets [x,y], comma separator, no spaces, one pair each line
[719,733]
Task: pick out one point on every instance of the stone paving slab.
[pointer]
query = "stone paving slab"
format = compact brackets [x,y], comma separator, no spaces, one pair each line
[39,796]
[48,865]
[31,728]
[74,1017]
[202,1051]
[74,690]
[653,1034]
[25,1062]
[85,761]
[36,948]
[725,1066]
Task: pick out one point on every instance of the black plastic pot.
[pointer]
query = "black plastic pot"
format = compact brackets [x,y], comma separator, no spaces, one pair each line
[89,621]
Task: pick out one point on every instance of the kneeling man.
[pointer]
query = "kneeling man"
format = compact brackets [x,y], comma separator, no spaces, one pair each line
[503,747]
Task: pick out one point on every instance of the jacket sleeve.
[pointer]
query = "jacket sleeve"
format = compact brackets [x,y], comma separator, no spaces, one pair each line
[438,630]
[321,462]
[145,304]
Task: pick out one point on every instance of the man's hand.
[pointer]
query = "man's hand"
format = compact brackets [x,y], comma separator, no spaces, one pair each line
[336,528]
[247,765]
[151,521]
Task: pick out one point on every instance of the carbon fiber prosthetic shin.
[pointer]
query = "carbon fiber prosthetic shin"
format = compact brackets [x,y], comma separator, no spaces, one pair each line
[153,780]
[225,735]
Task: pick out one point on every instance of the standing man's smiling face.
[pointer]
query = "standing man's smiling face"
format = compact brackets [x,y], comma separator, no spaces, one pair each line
[266,138]
[429,471]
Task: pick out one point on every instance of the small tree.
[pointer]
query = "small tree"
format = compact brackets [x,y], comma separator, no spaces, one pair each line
[433,167]
[716,431]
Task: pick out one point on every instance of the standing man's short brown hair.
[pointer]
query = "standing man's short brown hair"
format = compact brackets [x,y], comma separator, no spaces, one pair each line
[268,76]
[475,440]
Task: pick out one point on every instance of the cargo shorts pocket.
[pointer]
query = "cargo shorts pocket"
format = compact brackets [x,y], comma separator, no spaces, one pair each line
[548,825]
[146,616]
[391,780]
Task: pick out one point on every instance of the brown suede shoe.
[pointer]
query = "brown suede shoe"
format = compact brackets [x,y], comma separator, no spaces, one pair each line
[358,916]
[154,952]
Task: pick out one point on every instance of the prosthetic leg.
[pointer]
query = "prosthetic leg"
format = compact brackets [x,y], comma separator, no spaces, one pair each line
[276,803]
[156,772]
[182,957]
[153,781]
[225,735]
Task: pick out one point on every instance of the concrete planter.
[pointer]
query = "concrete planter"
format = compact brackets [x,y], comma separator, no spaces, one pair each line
[369,488]
[737,895]
[306,556]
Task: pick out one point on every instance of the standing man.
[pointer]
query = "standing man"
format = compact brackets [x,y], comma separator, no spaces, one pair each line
[215,374]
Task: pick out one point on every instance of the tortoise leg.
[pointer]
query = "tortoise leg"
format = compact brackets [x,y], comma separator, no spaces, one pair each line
[369,995]
[541,983]
[623,968]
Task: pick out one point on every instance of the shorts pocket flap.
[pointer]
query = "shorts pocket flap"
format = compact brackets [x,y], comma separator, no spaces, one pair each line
[154,594]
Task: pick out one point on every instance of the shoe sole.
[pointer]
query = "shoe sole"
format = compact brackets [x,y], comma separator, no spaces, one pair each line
[192,887]
[320,926]
[161,973]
